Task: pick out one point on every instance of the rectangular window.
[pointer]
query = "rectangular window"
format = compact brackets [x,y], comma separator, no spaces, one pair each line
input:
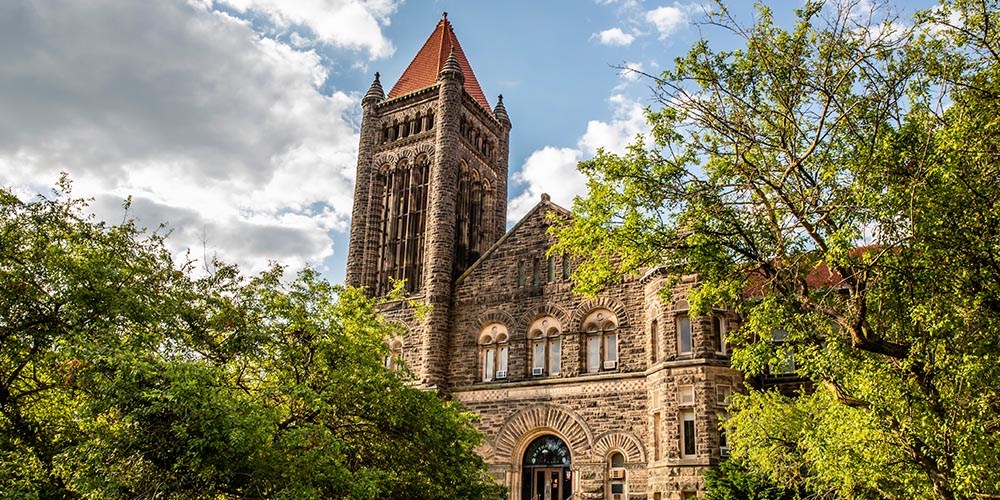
[566,266]
[534,272]
[552,269]
[656,436]
[685,395]
[502,363]
[722,394]
[719,333]
[684,334]
[689,442]
[593,353]
[539,363]
[554,360]
[653,347]
[488,365]
[611,347]
[786,363]
[520,273]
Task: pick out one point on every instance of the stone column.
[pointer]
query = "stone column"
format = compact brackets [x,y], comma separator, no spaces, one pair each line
[439,254]
[361,216]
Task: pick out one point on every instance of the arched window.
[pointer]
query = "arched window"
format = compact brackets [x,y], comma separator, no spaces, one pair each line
[616,476]
[494,350]
[601,330]
[684,337]
[402,222]
[654,338]
[394,360]
[545,346]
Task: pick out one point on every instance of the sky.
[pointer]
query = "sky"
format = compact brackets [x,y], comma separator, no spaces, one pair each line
[234,123]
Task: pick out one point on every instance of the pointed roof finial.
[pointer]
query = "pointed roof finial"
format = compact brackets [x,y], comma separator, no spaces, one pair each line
[375,93]
[451,67]
[444,16]
[500,111]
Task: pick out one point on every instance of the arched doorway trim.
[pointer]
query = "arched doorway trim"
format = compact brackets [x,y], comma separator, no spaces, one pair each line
[536,420]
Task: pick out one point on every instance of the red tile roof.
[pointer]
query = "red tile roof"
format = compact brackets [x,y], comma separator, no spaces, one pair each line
[423,70]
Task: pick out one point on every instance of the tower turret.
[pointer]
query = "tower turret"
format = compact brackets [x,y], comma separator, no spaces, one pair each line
[431,190]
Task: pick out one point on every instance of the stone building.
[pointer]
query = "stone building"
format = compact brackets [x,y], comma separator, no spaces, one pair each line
[613,397]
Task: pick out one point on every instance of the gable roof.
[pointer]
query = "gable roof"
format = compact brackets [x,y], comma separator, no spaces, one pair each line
[541,209]
[423,70]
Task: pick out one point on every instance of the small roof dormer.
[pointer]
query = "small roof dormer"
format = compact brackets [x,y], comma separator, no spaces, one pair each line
[423,71]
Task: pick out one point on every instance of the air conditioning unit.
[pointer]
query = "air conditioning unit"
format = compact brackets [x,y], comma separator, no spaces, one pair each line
[617,473]
[536,371]
[610,365]
[501,374]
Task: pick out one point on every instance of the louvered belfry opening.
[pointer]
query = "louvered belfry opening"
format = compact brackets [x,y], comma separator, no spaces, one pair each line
[402,223]
[472,222]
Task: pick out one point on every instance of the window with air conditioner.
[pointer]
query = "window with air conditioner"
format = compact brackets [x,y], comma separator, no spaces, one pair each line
[493,350]
[601,328]
[546,346]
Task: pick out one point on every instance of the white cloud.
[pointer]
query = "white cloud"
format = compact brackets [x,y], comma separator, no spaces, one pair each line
[553,170]
[210,127]
[632,71]
[614,136]
[343,23]
[669,18]
[614,37]
[548,170]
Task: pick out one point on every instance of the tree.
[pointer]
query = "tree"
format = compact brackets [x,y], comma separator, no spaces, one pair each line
[837,181]
[124,375]
[733,481]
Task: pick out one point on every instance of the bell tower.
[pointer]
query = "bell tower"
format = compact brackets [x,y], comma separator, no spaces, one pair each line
[431,190]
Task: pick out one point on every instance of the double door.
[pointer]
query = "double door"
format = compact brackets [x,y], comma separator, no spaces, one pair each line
[550,483]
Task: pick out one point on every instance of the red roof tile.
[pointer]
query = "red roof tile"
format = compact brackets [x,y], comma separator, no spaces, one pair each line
[423,70]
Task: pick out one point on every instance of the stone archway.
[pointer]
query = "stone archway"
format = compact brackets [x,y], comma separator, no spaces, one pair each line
[528,425]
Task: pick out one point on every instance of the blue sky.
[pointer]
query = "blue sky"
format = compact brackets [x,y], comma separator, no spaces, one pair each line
[235,122]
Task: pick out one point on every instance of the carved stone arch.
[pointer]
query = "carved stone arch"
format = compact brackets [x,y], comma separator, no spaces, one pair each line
[543,310]
[612,305]
[425,148]
[486,449]
[624,442]
[495,316]
[389,159]
[546,418]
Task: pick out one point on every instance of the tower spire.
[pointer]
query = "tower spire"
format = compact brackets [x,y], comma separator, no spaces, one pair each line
[426,66]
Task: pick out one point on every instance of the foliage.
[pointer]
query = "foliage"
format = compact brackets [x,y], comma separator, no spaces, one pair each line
[123,375]
[732,480]
[843,176]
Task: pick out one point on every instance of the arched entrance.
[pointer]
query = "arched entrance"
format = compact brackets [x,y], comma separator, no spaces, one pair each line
[545,472]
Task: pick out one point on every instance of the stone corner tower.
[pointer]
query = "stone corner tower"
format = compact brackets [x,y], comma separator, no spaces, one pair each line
[431,189]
